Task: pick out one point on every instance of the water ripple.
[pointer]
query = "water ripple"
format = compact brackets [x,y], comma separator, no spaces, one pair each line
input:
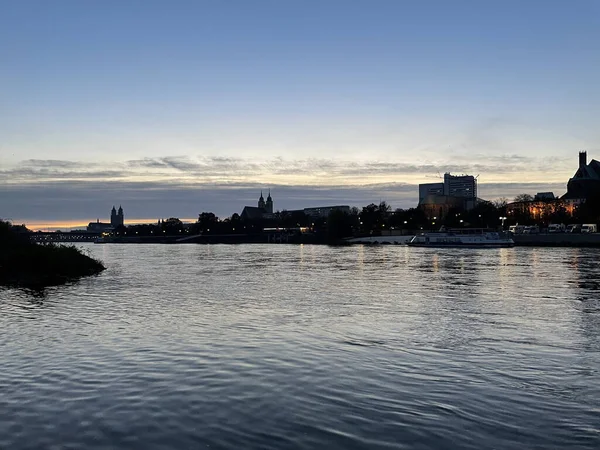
[302,347]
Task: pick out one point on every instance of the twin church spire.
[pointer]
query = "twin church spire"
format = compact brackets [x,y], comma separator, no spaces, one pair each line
[117,218]
[268,205]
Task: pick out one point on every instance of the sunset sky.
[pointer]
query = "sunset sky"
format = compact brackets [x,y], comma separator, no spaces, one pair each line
[174,108]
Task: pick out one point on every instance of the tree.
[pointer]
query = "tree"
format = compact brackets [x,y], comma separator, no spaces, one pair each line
[523,198]
[559,214]
[485,214]
[207,221]
[340,225]
[172,226]
[368,218]
[500,203]
[374,217]
[454,218]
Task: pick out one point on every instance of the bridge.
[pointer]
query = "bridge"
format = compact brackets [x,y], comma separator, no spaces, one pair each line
[77,236]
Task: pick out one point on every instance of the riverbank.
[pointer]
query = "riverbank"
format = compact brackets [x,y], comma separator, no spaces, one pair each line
[23,263]
[529,240]
[557,240]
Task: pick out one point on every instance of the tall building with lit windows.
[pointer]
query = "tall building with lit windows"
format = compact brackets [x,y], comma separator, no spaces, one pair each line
[460,186]
[457,191]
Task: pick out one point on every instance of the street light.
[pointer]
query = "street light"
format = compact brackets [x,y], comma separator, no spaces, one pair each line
[502,218]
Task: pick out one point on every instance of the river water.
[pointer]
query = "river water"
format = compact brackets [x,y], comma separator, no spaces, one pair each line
[304,347]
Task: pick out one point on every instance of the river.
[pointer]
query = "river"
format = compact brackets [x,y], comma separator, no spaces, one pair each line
[304,347]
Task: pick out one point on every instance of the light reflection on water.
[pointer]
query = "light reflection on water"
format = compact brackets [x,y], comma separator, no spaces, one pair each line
[255,346]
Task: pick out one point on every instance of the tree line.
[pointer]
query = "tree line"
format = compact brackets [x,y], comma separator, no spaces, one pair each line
[376,219]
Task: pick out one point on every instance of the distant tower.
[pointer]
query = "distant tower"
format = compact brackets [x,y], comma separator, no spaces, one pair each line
[261,201]
[114,222]
[582,159]
[269,204]
[120,216]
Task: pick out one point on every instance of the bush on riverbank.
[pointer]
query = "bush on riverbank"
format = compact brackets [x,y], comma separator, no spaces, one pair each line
[25,263]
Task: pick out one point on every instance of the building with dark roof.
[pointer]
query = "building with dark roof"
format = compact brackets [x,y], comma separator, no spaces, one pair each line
[544,196]
[99,227]
[252,213]
[585,183]
[116,219]
[264,210]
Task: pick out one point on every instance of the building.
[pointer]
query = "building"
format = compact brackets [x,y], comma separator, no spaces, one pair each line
[584,184]
[460,186]
[464,186]
[99,227]
[540,208]
[320,212]
[324,211]
[456,192]
[117,218]
[438,206]
[269,203]
[544,196]
[429,189]
[264,210]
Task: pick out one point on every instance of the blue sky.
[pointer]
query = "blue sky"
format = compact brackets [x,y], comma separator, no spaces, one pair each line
[209,101]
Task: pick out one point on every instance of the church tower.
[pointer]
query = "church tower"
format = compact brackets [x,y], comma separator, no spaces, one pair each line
[120,216]
[269,204]
[114,221]
[261,201]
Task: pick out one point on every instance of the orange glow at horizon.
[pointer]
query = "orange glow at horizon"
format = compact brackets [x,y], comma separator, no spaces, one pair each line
[36,225]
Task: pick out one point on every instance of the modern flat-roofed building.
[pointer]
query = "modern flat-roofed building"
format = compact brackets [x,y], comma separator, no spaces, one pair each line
[429,189]
[460,185]
[324,211]
[457,191]
[464,186]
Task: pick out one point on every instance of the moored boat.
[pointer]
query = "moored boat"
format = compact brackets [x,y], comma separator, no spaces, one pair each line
[467,237]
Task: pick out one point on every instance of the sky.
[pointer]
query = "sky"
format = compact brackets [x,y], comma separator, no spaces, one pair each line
[171,108]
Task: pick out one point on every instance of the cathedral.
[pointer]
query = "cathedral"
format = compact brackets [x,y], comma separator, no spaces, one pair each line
[117,218]
[268,205]
[264,210]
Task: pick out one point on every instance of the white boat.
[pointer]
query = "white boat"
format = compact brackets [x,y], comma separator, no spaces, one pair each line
[468,238]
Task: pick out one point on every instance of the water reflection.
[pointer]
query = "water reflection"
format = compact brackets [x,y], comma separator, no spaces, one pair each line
[307,347]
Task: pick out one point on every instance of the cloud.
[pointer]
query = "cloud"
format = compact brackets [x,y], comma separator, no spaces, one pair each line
[148,163]
[184,186]
[86,201]
[52,163]
[280,171]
